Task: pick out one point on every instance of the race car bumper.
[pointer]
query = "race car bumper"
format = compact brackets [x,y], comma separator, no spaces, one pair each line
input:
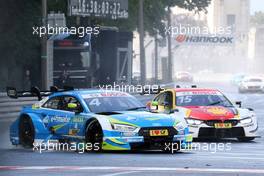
[136,142]
[237,131]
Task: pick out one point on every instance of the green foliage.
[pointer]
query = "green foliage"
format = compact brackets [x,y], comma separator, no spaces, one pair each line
[17,20]
[19,48]
[257,18]
[155,13]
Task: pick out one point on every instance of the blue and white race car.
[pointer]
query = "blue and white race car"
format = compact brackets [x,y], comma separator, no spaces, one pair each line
[106,120]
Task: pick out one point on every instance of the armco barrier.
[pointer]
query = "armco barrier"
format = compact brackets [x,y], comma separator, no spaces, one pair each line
[10,108]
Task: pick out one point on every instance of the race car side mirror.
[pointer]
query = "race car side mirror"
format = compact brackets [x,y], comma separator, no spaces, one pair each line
[238,103]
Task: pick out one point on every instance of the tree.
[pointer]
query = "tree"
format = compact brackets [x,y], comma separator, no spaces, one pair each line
[257,18]
[18,47]
[154,13]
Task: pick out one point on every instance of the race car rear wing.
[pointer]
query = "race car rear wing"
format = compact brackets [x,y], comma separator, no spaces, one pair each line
[35,92]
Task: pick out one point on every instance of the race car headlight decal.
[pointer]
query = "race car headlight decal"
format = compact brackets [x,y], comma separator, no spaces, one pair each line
[123,128]
[246,120]
[194,122]
[128,134]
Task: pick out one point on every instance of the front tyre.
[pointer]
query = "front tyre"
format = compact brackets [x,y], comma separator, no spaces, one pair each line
[245,139]
[94,135]
[26,132]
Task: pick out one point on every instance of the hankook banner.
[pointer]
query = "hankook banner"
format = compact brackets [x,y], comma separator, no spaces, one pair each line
[186,39]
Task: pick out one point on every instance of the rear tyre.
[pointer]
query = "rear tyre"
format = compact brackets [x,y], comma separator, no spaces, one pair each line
[245,139]
[26,132]
[94,135]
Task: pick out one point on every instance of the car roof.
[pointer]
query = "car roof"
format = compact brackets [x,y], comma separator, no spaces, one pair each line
[86,91]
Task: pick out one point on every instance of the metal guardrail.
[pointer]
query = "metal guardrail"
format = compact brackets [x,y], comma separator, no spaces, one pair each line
[3,94]
[10,108]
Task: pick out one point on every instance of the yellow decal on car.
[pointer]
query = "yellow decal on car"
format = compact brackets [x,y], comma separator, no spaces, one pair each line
[189,138]
[56,127]
[107,146]
[116,141]
[237,116]
[73,131]
[78,119]
[188,113]
[35,106]
[115,121]
[217,111]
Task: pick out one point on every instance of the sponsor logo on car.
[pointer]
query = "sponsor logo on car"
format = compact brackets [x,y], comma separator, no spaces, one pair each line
[217,111]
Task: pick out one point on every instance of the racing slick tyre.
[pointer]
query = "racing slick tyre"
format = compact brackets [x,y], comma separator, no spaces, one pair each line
[26,131]
[245,139]
[94,135]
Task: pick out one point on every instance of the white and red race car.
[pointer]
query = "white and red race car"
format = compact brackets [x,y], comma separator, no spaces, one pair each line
[208,112]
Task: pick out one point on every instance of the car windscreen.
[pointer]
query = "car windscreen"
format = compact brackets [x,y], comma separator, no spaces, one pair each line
[202,100]
[254,80]
[110,104]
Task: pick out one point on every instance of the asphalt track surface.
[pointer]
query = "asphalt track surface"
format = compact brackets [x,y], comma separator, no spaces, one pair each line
[242,159]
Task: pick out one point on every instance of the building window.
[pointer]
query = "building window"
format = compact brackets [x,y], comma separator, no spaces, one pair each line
[231,21]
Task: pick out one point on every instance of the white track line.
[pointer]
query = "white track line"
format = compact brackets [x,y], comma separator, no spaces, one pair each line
[240,158]
[121,173]
[235,154]
[130,169]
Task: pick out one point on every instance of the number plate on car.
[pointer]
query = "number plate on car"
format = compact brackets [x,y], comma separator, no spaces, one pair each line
[223,125]
[158,133]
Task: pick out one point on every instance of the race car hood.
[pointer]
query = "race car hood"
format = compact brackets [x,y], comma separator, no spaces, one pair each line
[143,119]
[211,112]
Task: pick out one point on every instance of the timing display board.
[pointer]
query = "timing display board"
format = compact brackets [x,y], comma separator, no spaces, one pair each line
[114,9]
